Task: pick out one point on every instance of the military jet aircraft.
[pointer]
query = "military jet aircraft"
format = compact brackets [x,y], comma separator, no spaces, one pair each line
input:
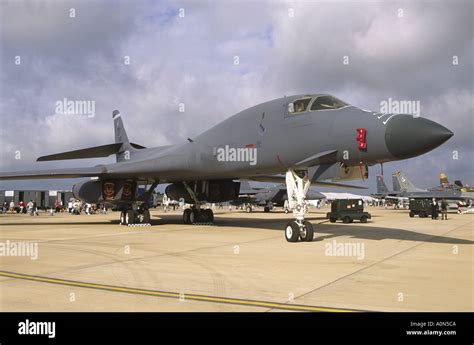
[308,138]
[404,189]
[268,197]
[396,193]
[458,185]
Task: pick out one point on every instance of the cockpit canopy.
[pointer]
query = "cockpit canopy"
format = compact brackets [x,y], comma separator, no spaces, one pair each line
[315,103]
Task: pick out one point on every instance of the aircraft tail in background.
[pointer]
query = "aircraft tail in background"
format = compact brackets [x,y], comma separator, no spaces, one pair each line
[401,181]
[443,180]
[396,184]
[458,185]
[381,186]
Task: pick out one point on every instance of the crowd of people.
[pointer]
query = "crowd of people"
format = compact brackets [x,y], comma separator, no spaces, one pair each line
[73,207]
[31,207]
[78,207]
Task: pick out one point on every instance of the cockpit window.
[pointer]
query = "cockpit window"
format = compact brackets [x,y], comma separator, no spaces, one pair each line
[298,106]
[327,102]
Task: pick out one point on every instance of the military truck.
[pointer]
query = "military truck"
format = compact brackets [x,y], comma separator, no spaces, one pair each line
[420,208]
[347,210]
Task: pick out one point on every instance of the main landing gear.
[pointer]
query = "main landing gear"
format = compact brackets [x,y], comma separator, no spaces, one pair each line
[196,215]
[137,213]
[297,185]
[136,216]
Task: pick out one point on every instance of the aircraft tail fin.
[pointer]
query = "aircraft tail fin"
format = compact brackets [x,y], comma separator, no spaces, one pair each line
[396,184]
[381,186]
[122,148]
[121,137]
[245,185]
[405,184]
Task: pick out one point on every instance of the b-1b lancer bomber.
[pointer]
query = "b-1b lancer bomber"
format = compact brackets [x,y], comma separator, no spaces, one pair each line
[300,140]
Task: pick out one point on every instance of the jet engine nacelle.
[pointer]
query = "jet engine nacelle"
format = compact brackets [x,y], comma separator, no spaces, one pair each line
[96,191]
[210,191]
[89,191]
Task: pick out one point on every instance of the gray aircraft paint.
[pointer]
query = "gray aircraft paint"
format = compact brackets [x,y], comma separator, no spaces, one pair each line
[285,140]
[276,195]
[404,188]
[381,186]
[409,190]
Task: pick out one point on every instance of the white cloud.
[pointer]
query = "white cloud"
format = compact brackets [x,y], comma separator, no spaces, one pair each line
[190,60]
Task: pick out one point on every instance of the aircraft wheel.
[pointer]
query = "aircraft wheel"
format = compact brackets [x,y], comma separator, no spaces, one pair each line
[122,217]
[249,209]
[346,219]
[363,219]
[332,220]
[292,231]
[208,215]
[193,216]
[266,209]
[307,234]
[412,214]
[187,216]
[129,217]
[146,216]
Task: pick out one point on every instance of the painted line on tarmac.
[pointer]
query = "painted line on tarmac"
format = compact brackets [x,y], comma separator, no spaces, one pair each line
[193,297]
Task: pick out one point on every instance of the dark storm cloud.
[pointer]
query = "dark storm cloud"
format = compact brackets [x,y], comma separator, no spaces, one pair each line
[190,60]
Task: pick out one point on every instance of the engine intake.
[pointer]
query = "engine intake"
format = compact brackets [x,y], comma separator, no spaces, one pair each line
[105,190]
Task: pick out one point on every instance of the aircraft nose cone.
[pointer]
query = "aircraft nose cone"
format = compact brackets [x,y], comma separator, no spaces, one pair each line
[407,136]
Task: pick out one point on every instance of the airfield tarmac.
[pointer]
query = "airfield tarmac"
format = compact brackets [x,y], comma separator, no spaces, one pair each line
[242,263]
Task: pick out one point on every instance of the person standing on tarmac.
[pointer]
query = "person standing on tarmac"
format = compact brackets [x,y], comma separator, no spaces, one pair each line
[444,210]
[35,209]
[434,209]
[29,207]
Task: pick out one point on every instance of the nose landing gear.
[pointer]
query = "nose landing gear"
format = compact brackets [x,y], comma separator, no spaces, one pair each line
[297,185]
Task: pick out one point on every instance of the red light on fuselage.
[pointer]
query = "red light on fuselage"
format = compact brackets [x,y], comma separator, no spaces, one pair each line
[362,138]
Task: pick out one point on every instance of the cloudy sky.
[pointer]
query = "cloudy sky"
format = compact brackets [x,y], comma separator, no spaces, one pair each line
[147,57]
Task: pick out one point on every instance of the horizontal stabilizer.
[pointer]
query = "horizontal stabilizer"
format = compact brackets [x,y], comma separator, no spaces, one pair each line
[137,146]
[90,152]
[53,173]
